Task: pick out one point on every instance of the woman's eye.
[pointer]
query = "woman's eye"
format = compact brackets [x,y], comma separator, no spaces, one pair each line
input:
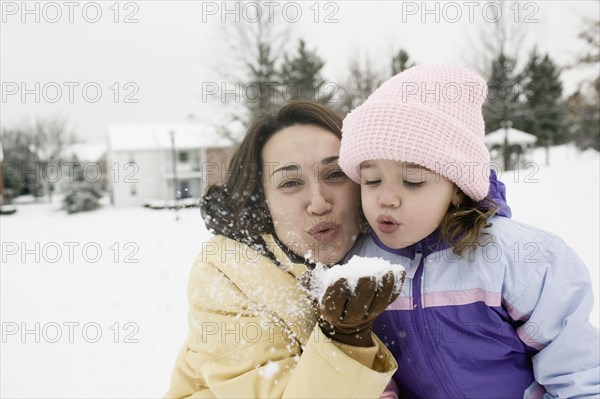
[411,184]
[338,174]
[289,184]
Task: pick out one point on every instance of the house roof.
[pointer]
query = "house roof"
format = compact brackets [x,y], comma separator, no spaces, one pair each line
[91,152]
[153,136]
[515,136]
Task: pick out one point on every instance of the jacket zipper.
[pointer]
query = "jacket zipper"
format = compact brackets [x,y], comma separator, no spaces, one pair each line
[418,318]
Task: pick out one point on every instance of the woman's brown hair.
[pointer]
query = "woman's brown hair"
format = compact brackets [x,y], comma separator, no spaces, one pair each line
[237,208]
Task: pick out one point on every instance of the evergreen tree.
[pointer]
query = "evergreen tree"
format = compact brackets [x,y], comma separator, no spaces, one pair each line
[300,76]
[583,119]
[503,101]
[261,88]
[542,90]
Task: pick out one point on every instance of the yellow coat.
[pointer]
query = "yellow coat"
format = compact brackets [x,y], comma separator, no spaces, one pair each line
[253,334]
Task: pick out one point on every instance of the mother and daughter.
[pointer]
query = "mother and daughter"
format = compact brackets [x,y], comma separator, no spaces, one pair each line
[474,319]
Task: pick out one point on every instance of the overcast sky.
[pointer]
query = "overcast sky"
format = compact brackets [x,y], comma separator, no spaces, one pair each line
[169,52]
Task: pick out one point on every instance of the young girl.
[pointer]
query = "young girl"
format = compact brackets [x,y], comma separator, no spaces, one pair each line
[492,308]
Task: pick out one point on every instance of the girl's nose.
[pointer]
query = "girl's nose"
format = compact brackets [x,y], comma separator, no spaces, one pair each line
[389,198]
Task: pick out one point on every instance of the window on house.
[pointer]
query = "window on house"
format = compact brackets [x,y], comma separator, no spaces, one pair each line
[184,189]
[183,156]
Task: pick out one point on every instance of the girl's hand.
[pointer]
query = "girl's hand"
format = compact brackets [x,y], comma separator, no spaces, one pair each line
[347,315]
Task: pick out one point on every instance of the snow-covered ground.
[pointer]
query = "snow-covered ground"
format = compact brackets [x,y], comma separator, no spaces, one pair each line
[110,327]
[562,198]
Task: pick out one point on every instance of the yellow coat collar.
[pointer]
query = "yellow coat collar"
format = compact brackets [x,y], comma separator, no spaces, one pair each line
[275,288]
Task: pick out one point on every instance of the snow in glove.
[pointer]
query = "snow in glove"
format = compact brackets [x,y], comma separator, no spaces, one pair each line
[347,304]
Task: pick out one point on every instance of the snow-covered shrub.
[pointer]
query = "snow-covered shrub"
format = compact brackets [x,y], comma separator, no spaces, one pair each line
[81,196]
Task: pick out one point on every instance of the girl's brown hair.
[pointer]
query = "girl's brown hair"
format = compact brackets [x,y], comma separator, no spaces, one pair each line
[237,208]
[463,225]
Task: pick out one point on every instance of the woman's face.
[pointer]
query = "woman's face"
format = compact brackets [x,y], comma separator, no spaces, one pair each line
[313,205]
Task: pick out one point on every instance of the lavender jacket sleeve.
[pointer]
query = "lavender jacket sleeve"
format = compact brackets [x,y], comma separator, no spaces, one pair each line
[554,297]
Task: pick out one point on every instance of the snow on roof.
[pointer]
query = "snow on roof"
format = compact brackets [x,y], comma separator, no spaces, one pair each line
[152,136]
[86,151]
[515,136]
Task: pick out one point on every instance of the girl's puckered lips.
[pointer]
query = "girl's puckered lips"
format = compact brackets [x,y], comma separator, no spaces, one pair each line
[387,224]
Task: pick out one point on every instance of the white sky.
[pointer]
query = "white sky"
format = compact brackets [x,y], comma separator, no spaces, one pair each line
[170,52]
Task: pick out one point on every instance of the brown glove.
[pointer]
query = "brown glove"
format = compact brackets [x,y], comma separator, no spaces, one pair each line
[346,316]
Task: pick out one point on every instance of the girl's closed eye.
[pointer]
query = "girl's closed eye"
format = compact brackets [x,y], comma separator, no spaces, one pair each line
[413,184]
[370,182]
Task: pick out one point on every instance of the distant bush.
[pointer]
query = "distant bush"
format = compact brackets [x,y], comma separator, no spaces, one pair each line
[81,196]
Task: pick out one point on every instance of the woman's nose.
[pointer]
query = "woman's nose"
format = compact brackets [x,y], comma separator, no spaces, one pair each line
[319,204]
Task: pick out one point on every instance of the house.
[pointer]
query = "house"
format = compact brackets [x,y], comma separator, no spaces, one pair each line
[149,164]
[518,142]
[512,135]
[1,174]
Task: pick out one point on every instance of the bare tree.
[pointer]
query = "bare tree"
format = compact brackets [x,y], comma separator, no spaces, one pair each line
[34,155]
[591,35]
[583,106]
[50,139]
[400,62]
[497,35]
[20,172]
[362,80]
[255,48]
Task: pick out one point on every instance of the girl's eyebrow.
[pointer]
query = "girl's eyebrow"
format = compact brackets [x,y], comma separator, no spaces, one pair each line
[410,166]
[365,165]
[414,166]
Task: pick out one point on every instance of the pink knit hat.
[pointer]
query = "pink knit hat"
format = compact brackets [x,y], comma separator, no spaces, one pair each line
[429,115]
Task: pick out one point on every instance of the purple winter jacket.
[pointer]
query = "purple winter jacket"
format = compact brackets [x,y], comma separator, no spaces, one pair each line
[509,321]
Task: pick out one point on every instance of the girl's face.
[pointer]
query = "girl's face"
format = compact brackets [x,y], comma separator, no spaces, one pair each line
[404,203]
[313,205]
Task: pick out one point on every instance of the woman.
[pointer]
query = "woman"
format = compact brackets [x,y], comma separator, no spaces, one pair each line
[253,331]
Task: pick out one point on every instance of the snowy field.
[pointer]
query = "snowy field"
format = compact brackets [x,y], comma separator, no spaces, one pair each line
[102,311]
